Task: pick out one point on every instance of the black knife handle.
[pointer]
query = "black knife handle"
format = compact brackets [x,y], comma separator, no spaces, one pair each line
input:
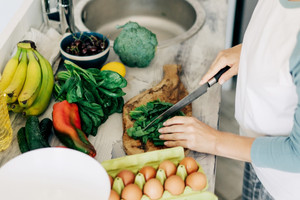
[222,71]
[218,75]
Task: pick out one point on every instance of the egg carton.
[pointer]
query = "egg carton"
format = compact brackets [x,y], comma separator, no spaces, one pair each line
[135,162]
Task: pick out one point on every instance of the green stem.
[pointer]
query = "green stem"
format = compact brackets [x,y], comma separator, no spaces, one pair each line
[17,55]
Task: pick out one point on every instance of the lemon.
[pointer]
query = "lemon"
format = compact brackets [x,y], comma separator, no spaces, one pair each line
[116,67]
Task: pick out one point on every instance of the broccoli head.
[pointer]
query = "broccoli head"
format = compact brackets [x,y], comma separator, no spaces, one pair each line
[135,45]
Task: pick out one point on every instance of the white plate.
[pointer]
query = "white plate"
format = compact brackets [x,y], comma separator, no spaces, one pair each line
[54,173]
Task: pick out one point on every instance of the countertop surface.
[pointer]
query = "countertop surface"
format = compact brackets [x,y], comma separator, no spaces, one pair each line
[194,55]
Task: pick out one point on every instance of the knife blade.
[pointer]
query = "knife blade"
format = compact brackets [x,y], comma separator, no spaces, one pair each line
[189,98]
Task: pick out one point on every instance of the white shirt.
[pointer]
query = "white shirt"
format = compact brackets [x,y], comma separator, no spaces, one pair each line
[266,96]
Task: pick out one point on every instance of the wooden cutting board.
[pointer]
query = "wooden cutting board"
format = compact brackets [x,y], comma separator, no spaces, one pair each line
[170,89]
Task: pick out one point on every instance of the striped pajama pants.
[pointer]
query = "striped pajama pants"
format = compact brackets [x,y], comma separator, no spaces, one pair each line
[252,187]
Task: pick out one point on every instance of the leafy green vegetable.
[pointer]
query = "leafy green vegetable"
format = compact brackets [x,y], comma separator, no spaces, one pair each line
[110,80]
[143,115]
[98,94]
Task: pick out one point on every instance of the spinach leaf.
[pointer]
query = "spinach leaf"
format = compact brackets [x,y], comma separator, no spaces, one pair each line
[120,105]
[72,66]
[75,93]
[94,71]
[143,115]
[111,80]
[93,90]
[67,86]
[86,123]
[89,96]
[56,91]
[117,92]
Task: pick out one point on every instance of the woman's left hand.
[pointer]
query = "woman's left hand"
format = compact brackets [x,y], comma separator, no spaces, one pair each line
[190,133]
[193,134]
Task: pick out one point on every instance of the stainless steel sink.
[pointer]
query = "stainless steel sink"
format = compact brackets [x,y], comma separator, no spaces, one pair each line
[172,21]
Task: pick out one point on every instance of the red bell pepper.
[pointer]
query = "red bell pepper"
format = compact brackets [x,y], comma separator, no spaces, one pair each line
[67,126]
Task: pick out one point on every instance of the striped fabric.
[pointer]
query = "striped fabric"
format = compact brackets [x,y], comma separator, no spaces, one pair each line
[252,187]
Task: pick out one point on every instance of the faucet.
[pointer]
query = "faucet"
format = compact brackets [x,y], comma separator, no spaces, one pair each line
[59,14]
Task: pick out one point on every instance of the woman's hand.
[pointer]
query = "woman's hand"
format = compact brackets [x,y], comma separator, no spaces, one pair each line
[228,57]
[193,134]
[190,133]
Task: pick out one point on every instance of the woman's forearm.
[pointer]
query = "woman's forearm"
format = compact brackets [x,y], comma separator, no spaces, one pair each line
[233,146]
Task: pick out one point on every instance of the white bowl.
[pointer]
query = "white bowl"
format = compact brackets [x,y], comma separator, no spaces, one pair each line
[54,173]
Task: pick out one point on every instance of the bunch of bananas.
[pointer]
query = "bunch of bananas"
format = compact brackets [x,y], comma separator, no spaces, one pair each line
[27,82]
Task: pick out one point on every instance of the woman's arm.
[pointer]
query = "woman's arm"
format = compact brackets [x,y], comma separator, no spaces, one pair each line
[194,134]
[282,153]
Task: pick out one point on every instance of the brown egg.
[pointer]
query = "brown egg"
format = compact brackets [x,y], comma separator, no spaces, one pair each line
[153,189]
[132,192]
[127,176]
[169,167]
[148,172]
[190,164]
[111,180]
[197,181]
[114,195]
[175,185]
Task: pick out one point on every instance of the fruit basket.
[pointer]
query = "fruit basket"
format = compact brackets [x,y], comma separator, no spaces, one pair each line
[136,162]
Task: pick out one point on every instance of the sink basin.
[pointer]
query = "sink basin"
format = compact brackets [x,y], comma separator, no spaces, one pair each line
[172,21]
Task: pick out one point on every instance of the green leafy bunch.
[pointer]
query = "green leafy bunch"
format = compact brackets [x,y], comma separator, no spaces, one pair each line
[143,115]
[98,94]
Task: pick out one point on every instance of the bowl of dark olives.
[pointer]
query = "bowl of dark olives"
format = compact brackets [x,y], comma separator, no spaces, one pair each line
[86,49]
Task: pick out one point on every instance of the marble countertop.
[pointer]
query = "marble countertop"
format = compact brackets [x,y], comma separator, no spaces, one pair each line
[194,55]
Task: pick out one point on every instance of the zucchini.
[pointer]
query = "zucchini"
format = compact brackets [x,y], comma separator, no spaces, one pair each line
[33,134]
[23,145]
[46,128]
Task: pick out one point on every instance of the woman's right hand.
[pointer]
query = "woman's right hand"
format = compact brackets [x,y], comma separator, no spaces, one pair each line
[228,57]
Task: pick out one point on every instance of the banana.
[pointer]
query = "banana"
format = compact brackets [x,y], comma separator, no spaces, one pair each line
[42,101]
[14,88]
[27,44]
[33,82]
[15,107]
[9,70]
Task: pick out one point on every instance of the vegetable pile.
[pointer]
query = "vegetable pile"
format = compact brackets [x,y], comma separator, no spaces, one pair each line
[135,45]
[143,116]
[35,134]
[98,94]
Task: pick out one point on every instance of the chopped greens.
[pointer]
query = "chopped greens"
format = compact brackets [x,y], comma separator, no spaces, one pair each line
[98,94]
[143,115]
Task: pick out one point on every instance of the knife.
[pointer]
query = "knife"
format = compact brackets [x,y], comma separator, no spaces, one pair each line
[189,98]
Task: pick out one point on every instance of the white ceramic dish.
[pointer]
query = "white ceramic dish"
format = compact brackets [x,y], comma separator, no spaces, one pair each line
[54,173]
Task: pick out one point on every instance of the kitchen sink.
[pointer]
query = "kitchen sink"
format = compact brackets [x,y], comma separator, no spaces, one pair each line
[172,21]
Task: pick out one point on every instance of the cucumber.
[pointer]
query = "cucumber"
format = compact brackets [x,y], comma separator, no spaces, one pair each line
[46,128]
[23,145]
[33,134]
